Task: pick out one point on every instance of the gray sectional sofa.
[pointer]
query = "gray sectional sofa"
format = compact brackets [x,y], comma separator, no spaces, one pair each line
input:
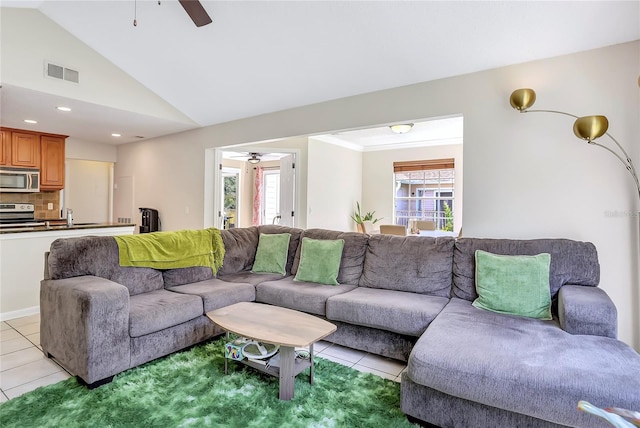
[407,298]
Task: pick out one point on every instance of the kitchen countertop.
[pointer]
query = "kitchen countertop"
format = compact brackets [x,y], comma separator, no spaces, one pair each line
[56,225]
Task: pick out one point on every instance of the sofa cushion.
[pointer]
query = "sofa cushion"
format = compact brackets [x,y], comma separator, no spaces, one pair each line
[251,278]
[173,277]
[523,365]
[294,241]
[160,309]
[572,262]
[320,260]
[396,311]
[272,252]
[352,261]
[302,296]
[240,246]
[217,294]
[417,264]
[98,256]
[515,285]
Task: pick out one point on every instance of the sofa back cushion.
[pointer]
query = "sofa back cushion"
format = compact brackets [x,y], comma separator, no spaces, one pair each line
[572,262]
[98,256]
[240,245]
[352,261]
[417,264]
[188,275]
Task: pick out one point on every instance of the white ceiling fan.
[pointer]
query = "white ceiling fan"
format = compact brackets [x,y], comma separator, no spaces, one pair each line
[251,157]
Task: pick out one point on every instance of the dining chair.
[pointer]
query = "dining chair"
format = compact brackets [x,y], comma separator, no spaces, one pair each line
[393,229]
[368,227]
[425,225]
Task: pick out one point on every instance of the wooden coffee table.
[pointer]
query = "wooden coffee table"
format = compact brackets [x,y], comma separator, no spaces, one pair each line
[280,326]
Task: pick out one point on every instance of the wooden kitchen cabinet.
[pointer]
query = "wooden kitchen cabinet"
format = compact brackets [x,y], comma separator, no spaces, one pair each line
[30,149]
[25,149]
[52,162]
[5,151]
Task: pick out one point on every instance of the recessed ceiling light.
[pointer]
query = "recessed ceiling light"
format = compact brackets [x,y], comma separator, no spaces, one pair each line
[61,108]
[30,121]
[115,135]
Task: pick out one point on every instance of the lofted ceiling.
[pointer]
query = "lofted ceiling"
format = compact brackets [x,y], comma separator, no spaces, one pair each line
[259,57]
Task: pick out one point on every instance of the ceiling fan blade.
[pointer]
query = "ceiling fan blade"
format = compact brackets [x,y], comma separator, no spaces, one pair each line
[196,12]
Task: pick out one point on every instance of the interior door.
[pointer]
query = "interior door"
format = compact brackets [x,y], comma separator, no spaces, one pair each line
[287,190]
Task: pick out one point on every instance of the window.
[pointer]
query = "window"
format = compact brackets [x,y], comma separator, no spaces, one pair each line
[424,191]
[271,197]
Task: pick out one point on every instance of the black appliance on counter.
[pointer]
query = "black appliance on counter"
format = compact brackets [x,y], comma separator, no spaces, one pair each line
[150,221]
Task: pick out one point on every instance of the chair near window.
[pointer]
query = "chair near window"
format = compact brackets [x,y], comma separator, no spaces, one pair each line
[425,225]
[368,227]
[393,229]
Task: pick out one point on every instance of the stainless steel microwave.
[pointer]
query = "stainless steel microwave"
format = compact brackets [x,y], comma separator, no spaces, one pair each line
[19,180]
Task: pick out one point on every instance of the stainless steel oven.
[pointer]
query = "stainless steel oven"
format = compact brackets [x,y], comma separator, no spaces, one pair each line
[19,214]
[19,180]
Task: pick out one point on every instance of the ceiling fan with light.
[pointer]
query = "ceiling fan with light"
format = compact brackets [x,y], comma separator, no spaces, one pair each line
[250,157]
[194,9]
[196,12]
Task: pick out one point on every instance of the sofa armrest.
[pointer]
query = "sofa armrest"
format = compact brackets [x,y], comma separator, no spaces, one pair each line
[587,310]
[84,324]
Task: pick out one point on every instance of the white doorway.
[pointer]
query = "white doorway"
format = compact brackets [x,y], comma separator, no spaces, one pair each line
[265,188]
[231,201]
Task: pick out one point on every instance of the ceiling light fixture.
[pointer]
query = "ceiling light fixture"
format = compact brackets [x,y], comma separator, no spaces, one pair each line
[115,135]
[30,121]
[254,159]
[401,128]
[61,108]
[588,128]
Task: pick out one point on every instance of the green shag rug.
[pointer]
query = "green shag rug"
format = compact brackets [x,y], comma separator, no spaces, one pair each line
[190,389]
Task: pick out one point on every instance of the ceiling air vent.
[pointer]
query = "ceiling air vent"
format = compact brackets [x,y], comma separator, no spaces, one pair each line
[56,71]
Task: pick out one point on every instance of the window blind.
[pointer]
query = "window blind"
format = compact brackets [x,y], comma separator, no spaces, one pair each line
[423,165]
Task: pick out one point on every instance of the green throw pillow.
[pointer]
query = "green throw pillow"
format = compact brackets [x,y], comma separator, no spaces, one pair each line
[320,261]
[272,252]
[515,285]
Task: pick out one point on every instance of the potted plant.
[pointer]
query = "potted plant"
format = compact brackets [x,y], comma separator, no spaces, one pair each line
[359,218]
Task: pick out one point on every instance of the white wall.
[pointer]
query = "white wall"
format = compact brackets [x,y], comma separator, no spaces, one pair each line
[168,175]
[78,149]
[29,38]
[525,175]
[334,185]
[377,172]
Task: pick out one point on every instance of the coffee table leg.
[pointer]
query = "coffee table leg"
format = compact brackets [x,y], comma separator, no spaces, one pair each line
[226,361]
[287,378]
[311,368]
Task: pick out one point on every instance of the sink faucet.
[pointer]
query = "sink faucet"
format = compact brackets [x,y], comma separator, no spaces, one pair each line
[69,217]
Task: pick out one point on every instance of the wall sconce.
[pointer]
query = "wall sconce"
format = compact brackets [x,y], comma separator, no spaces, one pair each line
[588,128]
[401,128]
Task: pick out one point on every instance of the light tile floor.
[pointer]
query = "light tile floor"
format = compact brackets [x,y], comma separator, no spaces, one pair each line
[24,367]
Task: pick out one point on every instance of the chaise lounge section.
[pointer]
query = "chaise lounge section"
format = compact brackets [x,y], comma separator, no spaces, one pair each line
[408,298]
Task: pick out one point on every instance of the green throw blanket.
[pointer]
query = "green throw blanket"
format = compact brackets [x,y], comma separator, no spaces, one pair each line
[170,250]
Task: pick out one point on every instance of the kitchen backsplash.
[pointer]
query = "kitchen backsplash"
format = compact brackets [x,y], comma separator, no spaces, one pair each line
[40,202]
